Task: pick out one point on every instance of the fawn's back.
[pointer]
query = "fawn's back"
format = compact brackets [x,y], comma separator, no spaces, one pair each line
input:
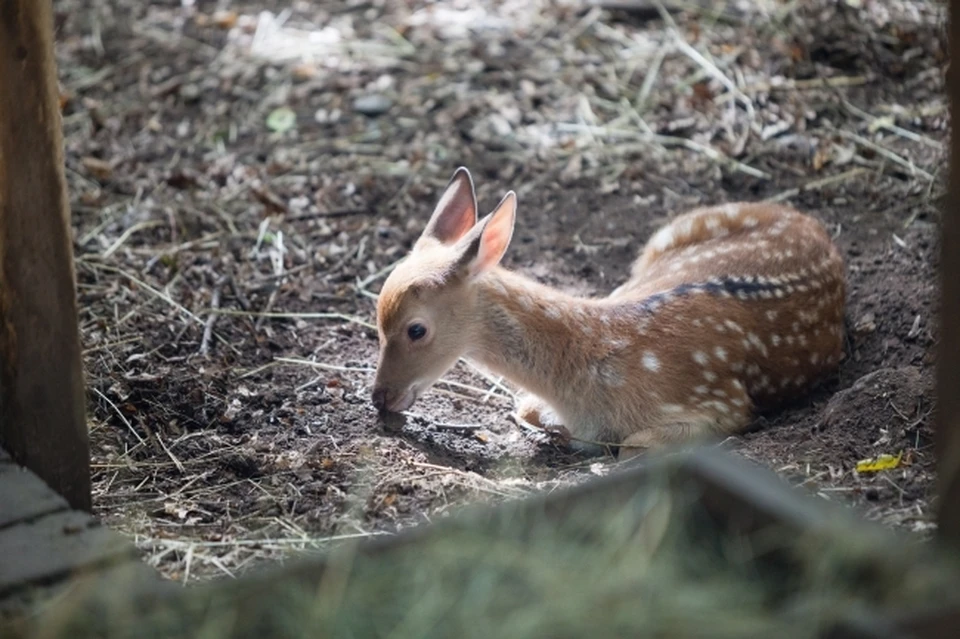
[745,306]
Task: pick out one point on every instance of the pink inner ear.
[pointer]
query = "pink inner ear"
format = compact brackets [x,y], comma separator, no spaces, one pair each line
[456,212]
[496,235]
[455,225]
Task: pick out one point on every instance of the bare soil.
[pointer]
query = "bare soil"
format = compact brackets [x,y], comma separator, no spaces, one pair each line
[228,263]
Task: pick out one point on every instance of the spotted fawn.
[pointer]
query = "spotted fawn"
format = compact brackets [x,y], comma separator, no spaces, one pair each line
[728,309]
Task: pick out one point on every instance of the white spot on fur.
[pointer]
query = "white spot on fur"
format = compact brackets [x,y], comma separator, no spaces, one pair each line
[671,408]
[663,239]
[710,376]
[757,342]
[721,353]
[700,358]
[552,312]
[775,339]
[700,390]
[733,326]
[771,315]
[730,210]
[650,362]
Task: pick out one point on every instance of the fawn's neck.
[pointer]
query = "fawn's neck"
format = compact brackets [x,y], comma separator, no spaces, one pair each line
[537,337]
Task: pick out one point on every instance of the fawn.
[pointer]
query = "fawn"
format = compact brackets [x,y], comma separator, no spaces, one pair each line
[728,309]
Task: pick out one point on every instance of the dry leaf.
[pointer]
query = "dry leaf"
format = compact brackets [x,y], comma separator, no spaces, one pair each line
[100,169]
[304,71]
[225,19]
[883,462]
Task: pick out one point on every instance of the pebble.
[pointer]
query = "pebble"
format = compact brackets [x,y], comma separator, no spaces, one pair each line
[373,104]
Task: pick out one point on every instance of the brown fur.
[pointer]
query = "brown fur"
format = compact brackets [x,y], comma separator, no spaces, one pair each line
[727,309]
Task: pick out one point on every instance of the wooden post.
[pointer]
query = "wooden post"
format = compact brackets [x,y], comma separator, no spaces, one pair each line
[42,413]
[948,359]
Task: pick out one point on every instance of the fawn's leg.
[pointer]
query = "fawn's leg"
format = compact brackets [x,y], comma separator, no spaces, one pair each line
[731,419]
[665,435]
[536,412]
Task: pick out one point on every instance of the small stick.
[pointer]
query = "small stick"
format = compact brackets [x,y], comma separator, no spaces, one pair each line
[817,184]
[887,153]
[176,462]
[122,417]
[127,234]
[277,314]
[651,77]
[330,214]
[893,128]
[211,319]
[241,298]
[363,284]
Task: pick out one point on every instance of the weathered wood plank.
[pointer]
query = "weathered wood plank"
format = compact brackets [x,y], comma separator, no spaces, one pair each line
[42,422]
[106,587]
[56,547]
[948,357]
[24,496]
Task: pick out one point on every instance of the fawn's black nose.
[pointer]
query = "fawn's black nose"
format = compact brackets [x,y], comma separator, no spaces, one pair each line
[379,398]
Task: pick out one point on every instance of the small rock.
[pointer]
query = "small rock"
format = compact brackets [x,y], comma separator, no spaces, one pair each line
[190,92]
[866,324]
[99,169]
[225,19]
[915,329]
[372,105]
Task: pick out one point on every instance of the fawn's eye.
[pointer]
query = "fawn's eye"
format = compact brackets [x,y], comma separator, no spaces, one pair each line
[416,331]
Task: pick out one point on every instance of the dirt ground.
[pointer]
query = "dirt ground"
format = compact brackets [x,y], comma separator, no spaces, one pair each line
[243,174]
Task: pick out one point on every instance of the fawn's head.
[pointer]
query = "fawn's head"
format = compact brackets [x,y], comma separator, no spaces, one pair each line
[428,304]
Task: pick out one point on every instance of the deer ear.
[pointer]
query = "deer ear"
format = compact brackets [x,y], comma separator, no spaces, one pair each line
[488,241]
[456,212]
